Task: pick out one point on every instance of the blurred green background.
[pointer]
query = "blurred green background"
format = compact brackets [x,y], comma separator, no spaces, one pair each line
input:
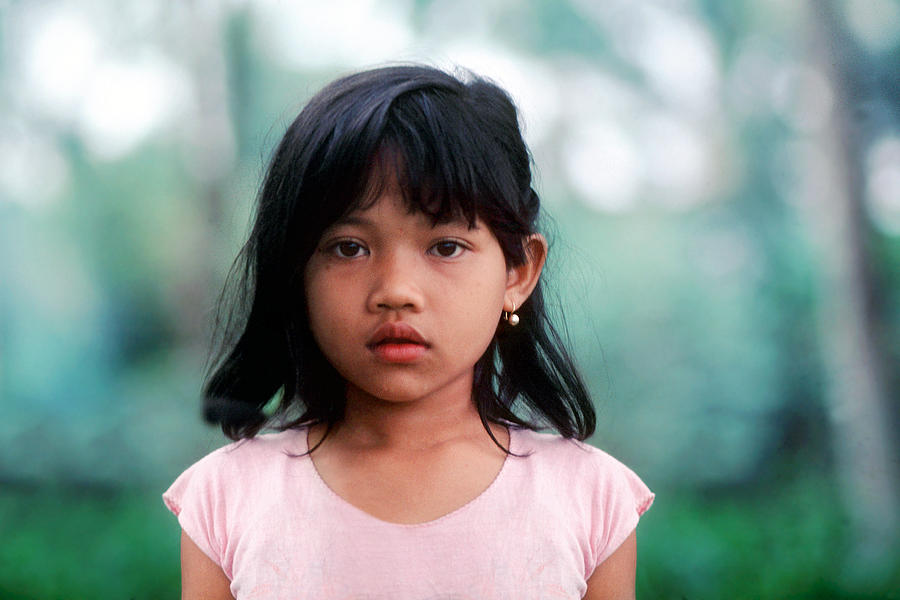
[722,180]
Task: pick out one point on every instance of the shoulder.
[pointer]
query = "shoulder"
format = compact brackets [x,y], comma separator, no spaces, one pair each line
[248,460]
[254,452]
[552,449]
[578,466]
[291,442]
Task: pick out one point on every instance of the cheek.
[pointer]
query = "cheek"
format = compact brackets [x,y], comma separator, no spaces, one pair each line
[324,305]
[478,313]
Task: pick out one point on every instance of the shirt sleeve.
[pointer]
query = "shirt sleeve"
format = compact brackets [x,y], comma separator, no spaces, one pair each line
[196,499]
[621,500]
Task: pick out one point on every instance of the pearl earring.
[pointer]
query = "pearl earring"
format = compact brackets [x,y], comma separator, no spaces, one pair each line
[511,317]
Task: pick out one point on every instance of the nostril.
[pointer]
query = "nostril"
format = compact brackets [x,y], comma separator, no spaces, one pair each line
[392,306]
[395,293]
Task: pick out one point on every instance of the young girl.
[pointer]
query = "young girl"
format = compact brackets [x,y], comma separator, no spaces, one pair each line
[395,313]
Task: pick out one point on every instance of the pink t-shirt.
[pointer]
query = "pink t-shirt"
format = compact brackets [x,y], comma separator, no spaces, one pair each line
[278,531]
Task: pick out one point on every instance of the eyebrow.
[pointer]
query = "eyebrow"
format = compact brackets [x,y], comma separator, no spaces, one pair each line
[353,220]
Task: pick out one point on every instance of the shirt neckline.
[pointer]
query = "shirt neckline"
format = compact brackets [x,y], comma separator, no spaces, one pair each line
[345,505]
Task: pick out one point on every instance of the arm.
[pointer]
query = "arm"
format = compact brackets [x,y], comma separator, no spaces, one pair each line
[201,578]
[613,579]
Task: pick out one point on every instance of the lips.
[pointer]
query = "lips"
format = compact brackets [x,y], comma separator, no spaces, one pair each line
[397,342]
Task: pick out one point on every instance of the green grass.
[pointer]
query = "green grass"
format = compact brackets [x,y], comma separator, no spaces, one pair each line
[790,542]
[87,543]
[782,543]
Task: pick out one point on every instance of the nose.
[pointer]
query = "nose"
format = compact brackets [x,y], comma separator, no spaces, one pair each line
[396,284]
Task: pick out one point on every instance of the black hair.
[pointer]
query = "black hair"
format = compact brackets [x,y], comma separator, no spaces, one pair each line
[454,147]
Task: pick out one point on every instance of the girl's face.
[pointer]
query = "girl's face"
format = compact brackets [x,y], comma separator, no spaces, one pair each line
[402,308]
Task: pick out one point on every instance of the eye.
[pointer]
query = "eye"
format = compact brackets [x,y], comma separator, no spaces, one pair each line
[447,249]
[347,249]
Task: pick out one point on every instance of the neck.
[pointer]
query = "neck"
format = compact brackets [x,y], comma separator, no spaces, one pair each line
[424,423]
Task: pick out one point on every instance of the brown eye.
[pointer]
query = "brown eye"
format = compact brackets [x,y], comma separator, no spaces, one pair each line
[348,249]
[447,249]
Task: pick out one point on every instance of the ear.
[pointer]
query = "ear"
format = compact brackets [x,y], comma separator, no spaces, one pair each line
[521,280]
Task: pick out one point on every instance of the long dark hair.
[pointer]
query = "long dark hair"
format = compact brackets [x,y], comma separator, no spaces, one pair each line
[455,148]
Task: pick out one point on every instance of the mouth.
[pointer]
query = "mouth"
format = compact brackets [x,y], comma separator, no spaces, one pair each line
[397,343]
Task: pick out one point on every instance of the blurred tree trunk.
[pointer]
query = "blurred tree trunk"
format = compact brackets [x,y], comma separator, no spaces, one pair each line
[210,152]
[858,402]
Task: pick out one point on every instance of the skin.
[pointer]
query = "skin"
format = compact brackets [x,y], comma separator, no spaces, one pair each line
[411,447]
[613,579]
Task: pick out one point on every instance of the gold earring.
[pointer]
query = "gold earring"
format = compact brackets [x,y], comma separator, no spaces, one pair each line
[511,317]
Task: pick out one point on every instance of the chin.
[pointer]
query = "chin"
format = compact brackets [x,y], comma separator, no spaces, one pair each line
[391,394]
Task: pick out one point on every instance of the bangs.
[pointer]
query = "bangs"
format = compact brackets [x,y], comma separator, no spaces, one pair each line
[439,196]
[429,146]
